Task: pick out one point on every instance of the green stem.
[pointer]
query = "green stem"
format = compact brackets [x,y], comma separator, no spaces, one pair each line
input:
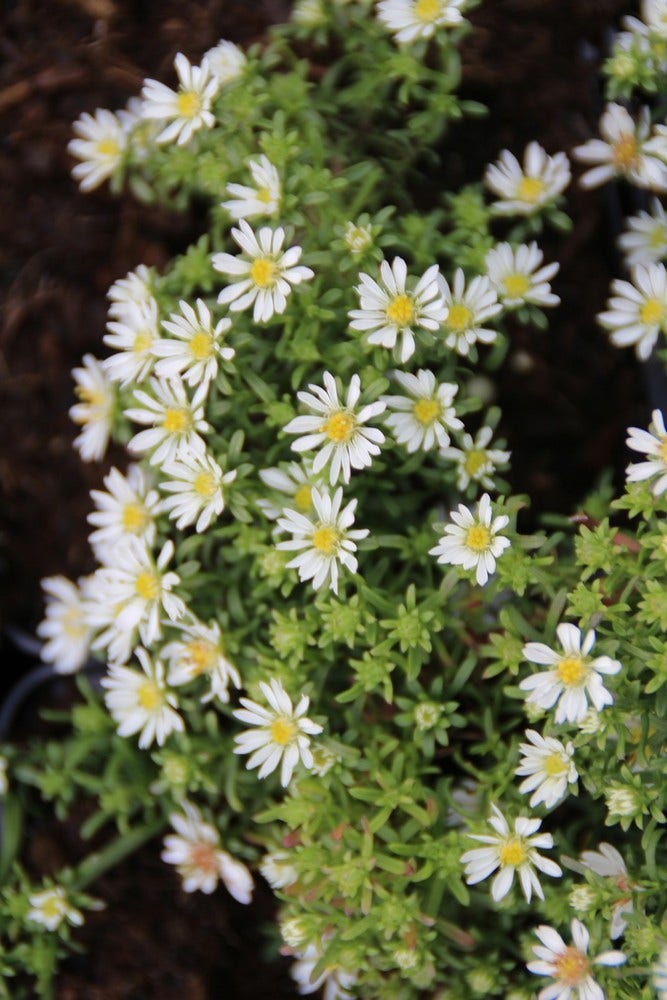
[96,864]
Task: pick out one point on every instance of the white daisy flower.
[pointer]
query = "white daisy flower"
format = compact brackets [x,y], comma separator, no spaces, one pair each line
[423,419]
[322,540]
[197,484]
[225,61]
[262,199]
[572,675]
[51,908]
[95,410]
[476,462]
[357,237]
[652,443]
[100,145]
[388,312]
[140,703]
[133,594]
[200,861]
[409,20]
[645,238]
[189,108]
[293,480]
[472,540]
[64,629]
[526,190]
[194,347]
[133,336]
[279,869]
[135,289]
[280,734]
[128,508]
[336,430]
[550,768]
[199,652]
[467,309]
[637,312]
[266,279]
[510,851]
[334,981]
[659,975]
[622,152]
[174,421]
[608,863]
[569,965]
[517,276]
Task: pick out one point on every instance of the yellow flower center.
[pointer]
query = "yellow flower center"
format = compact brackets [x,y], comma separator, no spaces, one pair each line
[662,450]
[624,152]
[149,695]
[339,427]
[652,311]
[52,907]
[427,10]
[571,671]
[203,857]
[474,461]
[264,195]
[282,731]
[142,342]
[512,852]
[516,285]
[478,538]
[189,104]
[73,624]
[205,484]
[458,317]
[554,765]
[303,498]
[201,345]
[134,518]
[657,237]
[201,655]
[530,189]
[108,147]
[426,411]
[400,310]
[91,397]
[326,539]
[176,421]
[147,585]
[263,272]
[571,967]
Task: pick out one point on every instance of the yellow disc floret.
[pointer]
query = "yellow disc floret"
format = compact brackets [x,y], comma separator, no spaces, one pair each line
[513,852]
[201,345]
[426,411]
[530,189]
[326,539]
[176,421]
[474,461]
[624,152]
[427,10]
[554,765]
[478,538]
[282,731]
[189,104]
[147,585]
[108,147]
[516,285]
[205,484]
[263,272]
[303,498]
[149,695]
[571,670]
[653,311]
[201,655]
[401,310]
[142,342]
[340,426]
[134,518]
[458,317]
[572,967]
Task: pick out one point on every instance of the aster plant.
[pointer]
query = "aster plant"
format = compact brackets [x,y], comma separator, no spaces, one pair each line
[320,620]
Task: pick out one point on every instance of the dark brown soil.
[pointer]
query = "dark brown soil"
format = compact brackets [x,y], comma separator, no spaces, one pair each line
[534,63]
